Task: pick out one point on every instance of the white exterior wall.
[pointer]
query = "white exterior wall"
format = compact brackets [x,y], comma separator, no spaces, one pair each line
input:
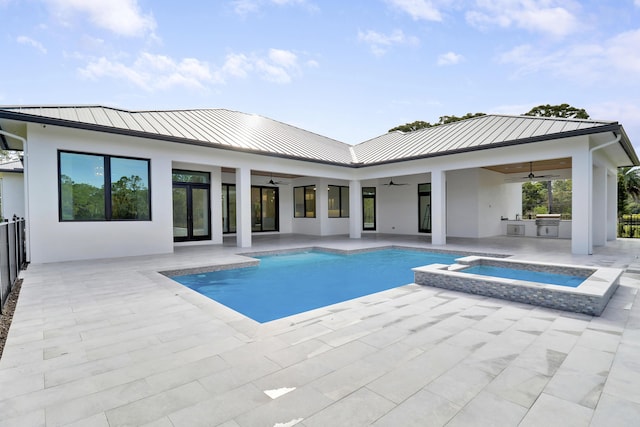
[52,240]
[12,195]
[472,205]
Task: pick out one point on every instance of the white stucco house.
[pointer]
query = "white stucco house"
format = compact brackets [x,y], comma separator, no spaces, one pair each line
[103,182]
[11,190]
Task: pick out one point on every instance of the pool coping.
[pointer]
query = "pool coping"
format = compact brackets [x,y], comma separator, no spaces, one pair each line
[590,297]
[252,262]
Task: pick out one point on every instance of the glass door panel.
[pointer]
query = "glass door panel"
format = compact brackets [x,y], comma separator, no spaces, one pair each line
[269,210]
[180,215]
[369,208]
[256,209]
[200,212]
[425,213]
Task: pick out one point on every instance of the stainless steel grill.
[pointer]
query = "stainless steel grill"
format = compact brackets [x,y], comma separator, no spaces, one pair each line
[548,225]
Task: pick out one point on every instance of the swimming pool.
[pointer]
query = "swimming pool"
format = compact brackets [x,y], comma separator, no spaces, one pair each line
[528,275]
[287,284]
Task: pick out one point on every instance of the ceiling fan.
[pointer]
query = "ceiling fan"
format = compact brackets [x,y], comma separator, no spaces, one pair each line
[392,184]
[533,176]
[275,183]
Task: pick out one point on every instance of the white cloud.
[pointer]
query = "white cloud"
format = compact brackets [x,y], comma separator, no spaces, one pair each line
[637,3]
[379,43]
[152,72]
[122,17]
[551,17]
[617,57]
[418,9]
[278,66]
[31,42]
[450,58]
[244,7]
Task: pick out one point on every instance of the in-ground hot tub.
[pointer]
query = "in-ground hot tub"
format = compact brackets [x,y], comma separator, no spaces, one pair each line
[595,285]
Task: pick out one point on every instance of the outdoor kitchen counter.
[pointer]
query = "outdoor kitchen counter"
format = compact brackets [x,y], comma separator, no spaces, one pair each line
[528,228]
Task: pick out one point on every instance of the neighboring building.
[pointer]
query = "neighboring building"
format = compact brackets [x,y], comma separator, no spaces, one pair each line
[11,190]
[102,182]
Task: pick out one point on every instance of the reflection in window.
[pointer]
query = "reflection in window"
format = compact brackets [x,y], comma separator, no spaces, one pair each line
[264,212]
[304,201]
[338,201]
[103,188]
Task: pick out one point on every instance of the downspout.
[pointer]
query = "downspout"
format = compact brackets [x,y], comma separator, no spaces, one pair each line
[590,192]
[25,152]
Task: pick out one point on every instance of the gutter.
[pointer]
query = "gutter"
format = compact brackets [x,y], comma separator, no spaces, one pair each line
[25,161]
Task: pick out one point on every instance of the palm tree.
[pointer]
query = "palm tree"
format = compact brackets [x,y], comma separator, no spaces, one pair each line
[628,186]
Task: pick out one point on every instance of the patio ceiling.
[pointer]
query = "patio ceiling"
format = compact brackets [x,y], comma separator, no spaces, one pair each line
[536,166]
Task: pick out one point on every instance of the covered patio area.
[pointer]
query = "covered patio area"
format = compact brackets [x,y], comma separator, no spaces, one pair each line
[112,342]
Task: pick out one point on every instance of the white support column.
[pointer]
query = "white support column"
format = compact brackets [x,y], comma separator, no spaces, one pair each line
[438,207]
[581,169]
[216,212]
[612,205]
[599,206]
[243,207]
[355,209]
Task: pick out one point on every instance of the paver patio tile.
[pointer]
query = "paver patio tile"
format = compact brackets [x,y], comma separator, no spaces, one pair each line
[422,409]
[65,412]
[615,411]
[297,353]
[360,408]
[600,340]
[488,409]
[460,384]
[186,373]
[98,420]
[347,380]
[35,418]
[550,411]
[404,348]
[153,407]
[220,407]
[239,375]
[393,356]
[405,380]
[518,385]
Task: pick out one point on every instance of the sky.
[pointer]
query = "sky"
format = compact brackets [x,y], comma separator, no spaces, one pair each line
[346,69]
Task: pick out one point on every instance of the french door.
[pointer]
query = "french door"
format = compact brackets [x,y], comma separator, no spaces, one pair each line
[424,208]
[191,206]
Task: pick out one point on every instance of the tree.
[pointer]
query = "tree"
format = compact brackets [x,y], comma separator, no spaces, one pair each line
[563,111]
[628,187]
[419,124]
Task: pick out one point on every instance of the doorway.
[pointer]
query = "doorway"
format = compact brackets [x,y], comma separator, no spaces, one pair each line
[191,206]
[424,208]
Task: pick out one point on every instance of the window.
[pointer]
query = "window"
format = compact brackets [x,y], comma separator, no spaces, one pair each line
[304,201]
[424,208]
[95,187]
[368,208]
[228,208]
[264,212]
[338,201]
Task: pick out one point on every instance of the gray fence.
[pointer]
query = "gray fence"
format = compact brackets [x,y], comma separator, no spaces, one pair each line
[13,255]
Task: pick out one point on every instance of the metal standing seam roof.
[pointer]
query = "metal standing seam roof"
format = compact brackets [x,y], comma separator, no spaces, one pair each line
[221,128]
[474,134]
[214,127]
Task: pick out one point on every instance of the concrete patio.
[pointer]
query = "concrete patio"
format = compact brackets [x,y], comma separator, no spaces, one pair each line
[115,343]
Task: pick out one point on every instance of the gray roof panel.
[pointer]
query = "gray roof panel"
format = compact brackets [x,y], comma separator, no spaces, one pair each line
[249,132]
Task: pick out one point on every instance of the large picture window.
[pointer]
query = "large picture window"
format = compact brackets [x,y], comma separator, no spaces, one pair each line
[338,201]
[95,187]
[304,201]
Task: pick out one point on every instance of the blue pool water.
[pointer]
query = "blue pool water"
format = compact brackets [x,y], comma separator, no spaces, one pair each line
[531,276]
[283,285]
